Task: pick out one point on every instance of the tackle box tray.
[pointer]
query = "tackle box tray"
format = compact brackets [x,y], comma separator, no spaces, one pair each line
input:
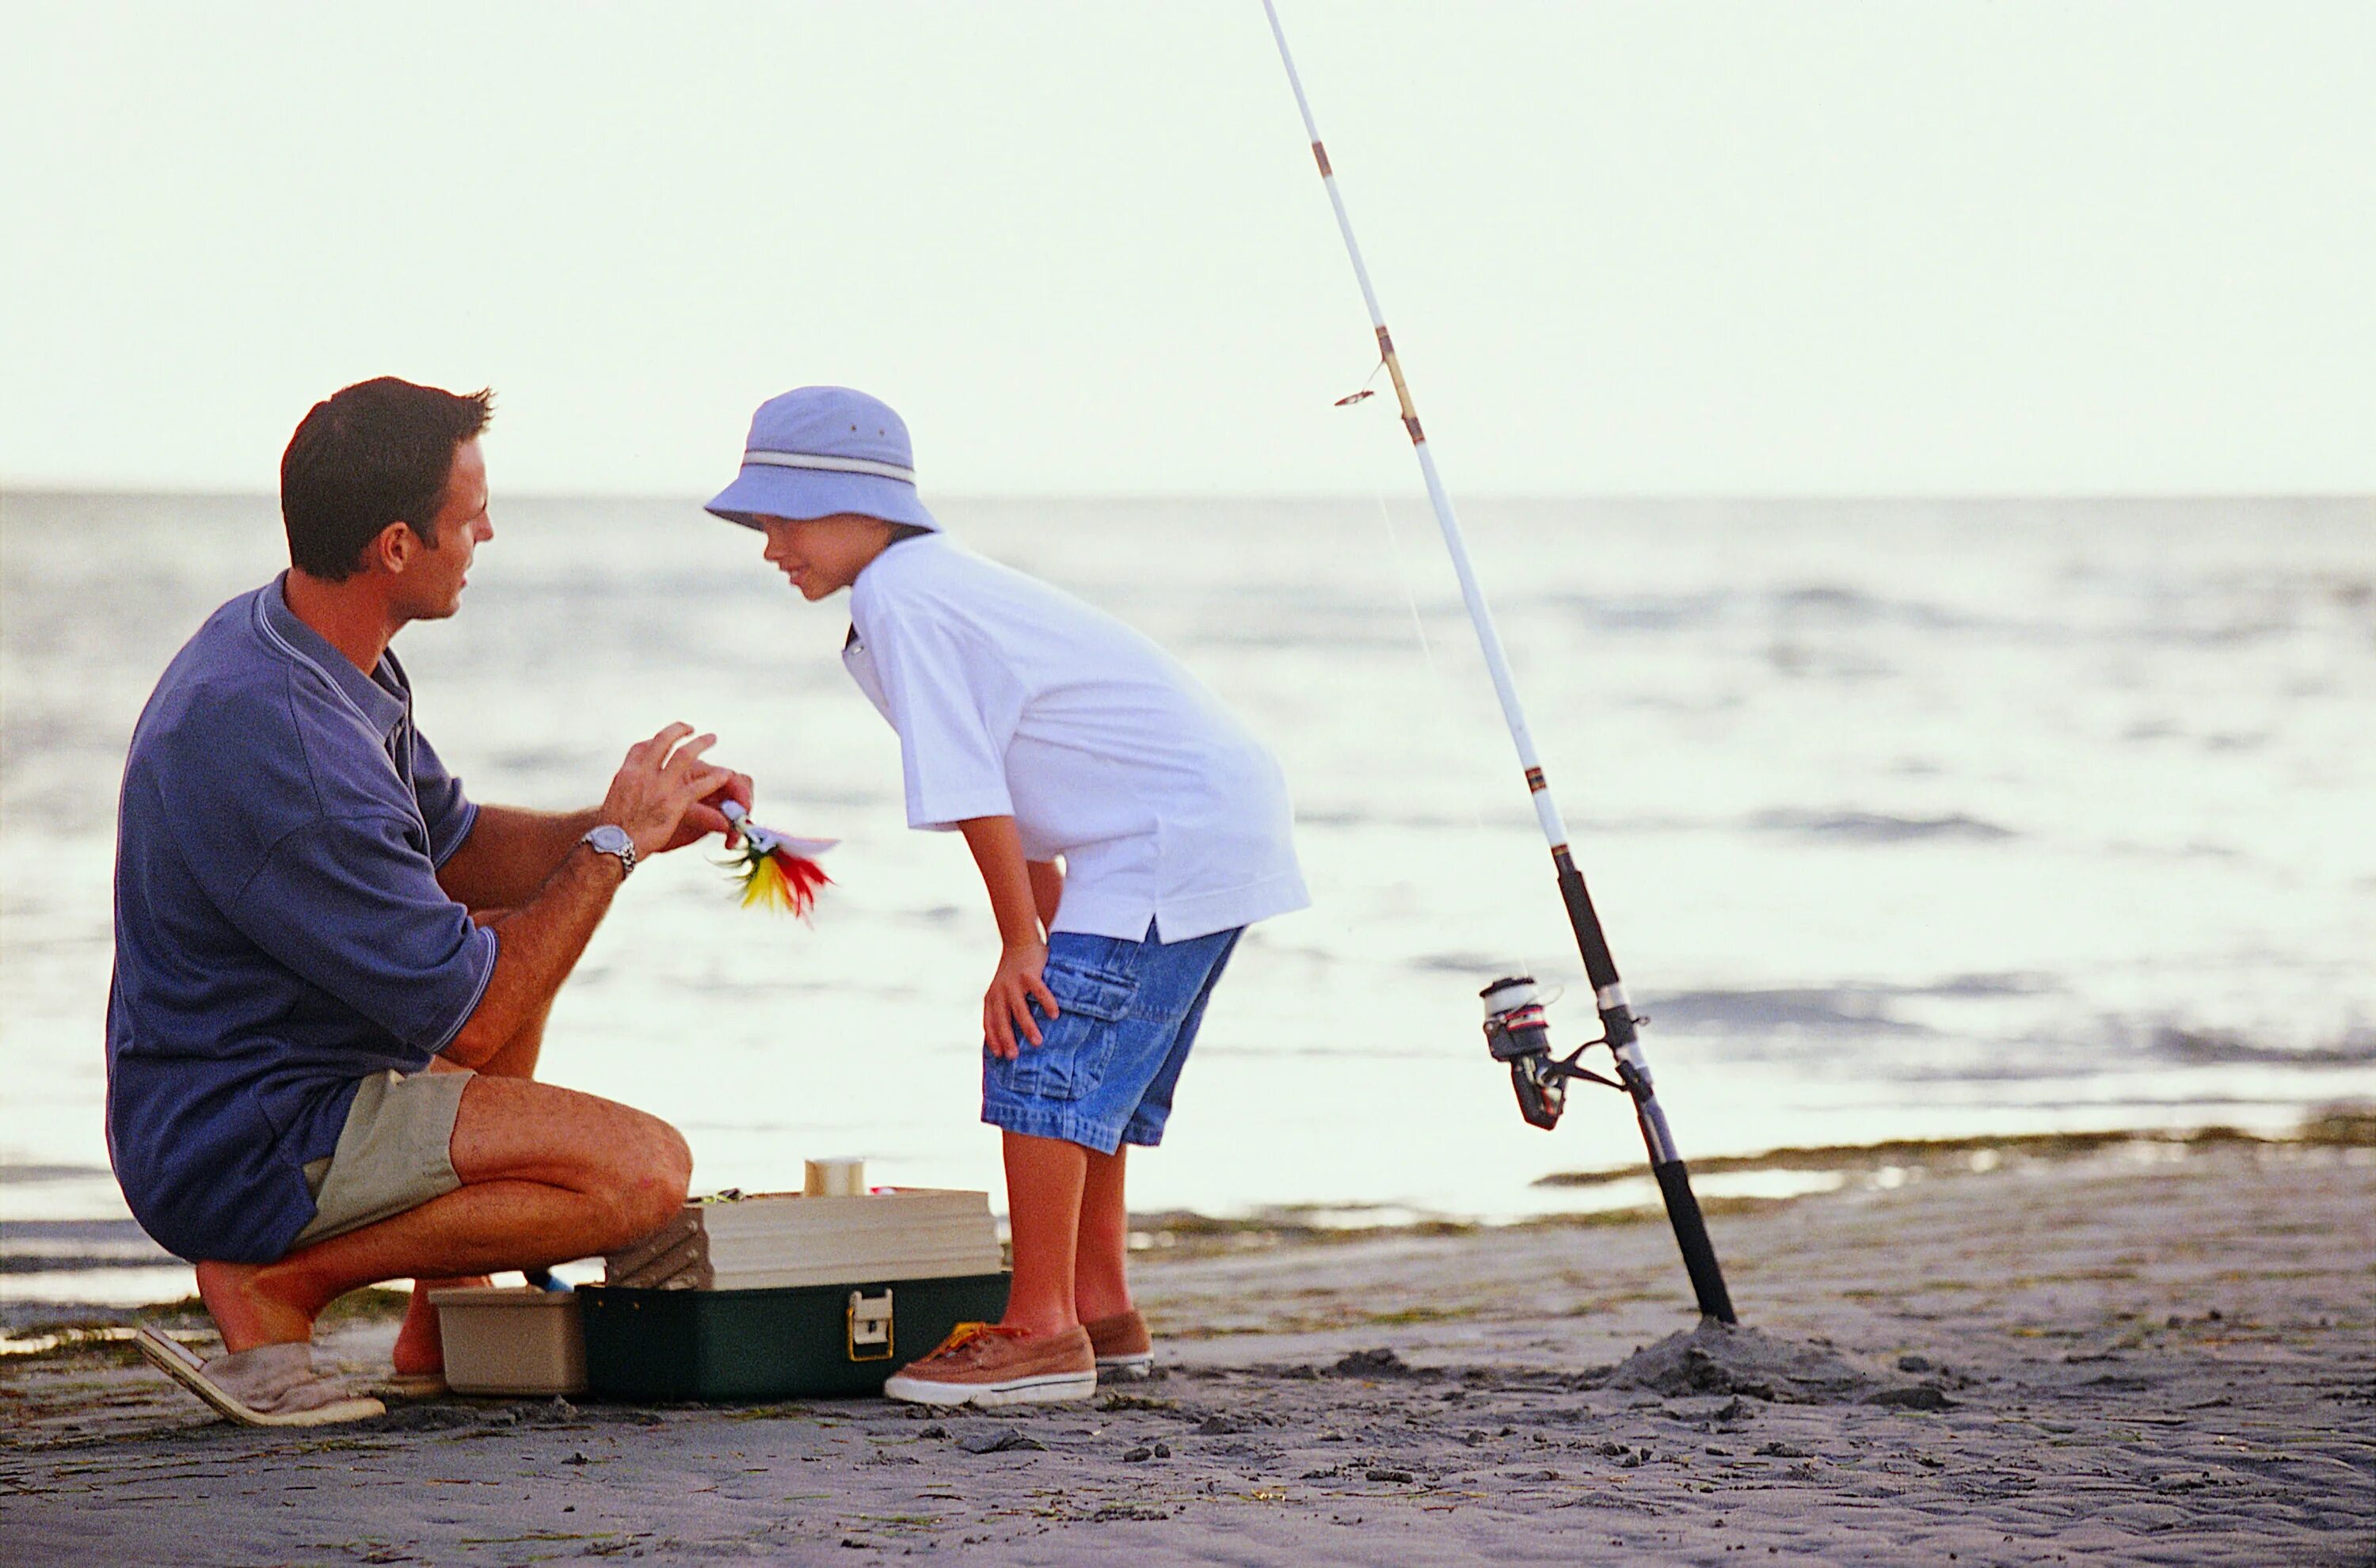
[789,1342]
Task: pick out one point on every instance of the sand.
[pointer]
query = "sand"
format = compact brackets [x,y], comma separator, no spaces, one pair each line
[2147,1354]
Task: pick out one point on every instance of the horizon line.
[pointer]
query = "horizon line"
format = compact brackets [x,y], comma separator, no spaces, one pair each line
[9,489]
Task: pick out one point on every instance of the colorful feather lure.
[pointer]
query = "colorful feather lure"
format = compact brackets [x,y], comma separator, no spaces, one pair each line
[777,870]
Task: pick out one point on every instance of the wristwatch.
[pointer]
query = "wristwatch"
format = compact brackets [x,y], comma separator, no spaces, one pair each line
[609,839]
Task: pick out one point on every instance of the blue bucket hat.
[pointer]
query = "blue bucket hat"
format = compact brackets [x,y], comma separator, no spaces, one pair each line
[819,450]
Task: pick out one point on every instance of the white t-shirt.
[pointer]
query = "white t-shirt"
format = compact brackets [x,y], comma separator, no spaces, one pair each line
[1013,699]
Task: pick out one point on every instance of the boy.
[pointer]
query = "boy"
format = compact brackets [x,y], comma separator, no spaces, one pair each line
[1127,829]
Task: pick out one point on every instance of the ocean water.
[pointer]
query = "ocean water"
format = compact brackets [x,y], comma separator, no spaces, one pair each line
[1905,819]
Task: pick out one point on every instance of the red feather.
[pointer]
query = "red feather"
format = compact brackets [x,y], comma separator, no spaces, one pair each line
[802,879]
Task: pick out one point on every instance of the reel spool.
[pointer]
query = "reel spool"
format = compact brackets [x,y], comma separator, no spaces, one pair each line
[1518,1031]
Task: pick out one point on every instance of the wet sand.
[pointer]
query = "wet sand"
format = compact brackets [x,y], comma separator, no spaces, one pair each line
[2150,1353]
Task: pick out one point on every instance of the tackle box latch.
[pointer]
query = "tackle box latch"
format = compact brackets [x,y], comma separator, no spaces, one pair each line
[870,1325]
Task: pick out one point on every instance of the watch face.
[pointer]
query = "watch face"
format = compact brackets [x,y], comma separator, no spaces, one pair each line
[609,839]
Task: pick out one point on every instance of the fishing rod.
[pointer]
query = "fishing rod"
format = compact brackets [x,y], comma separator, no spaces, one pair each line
[1515,1029]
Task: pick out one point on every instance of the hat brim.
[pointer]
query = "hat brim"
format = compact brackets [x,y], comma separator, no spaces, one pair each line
[761,490]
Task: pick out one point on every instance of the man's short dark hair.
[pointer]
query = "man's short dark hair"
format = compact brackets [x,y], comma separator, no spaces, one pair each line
[375,453]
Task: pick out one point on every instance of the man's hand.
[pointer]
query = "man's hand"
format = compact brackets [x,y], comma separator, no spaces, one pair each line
[1006,1005]
[661,782]
[703,817]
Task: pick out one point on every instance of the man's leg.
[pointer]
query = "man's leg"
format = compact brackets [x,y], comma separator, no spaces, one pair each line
[548,1174]
[1043,1201]
[418,1347]
[1101,1252]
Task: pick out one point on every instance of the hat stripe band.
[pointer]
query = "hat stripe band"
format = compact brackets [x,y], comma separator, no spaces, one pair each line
[830,464]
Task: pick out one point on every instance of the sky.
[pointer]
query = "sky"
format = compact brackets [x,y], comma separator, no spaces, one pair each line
[1673,249]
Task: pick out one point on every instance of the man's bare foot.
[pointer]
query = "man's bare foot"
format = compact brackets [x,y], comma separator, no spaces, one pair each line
[419,1346]
[249,1311]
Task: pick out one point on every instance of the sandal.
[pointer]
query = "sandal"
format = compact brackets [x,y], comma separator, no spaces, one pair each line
[272,1385]
[415,1385]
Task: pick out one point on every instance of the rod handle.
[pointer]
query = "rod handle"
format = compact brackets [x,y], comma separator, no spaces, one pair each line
[1691,1231]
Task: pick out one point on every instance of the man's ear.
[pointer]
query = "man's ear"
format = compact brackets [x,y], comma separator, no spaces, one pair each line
[392,548]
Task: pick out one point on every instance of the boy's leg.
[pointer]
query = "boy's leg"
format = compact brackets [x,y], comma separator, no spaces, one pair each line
[1101,1248]
[1036,1353]
[1101,1245]
[1044,1179]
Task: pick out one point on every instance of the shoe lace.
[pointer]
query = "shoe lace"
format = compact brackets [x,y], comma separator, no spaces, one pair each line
[969,1340]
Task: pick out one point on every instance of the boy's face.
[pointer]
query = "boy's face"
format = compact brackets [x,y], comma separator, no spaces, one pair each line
[823,555]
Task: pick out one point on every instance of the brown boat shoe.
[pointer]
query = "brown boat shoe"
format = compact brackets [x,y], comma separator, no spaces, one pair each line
[1124,1353]
[981,1363]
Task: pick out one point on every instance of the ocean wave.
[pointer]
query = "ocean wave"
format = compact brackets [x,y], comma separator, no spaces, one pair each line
[1878,828]
[1644,612]
[2202,1047]
[10,1174]
[1837,1009]
[1834,601]
[1463,963]
[1806,605]
[2018,983]
[1823,1009]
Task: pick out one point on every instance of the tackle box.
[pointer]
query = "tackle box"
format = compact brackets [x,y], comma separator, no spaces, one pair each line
[788,1342]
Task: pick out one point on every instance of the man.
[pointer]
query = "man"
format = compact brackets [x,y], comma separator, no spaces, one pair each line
[333,969]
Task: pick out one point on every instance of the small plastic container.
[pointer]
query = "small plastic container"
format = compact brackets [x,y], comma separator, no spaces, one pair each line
[511,1339]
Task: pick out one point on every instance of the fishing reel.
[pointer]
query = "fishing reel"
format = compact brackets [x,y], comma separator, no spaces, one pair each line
[1517,1032]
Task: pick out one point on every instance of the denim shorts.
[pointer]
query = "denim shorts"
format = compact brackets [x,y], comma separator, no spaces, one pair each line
[1104,1071]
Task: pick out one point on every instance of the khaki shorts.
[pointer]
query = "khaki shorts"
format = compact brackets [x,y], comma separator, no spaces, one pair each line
[395,1153]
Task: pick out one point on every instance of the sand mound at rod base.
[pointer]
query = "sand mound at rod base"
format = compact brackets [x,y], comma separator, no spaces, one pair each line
[1717,1358]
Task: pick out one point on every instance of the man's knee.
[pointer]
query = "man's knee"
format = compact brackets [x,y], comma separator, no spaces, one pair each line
[653,1175]
[672,1173]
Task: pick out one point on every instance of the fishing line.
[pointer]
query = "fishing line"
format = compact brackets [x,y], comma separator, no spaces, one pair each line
[1450,711]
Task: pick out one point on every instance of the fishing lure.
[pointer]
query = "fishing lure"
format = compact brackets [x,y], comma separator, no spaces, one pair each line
[776,869]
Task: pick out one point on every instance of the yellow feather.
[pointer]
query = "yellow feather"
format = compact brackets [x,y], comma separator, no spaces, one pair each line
[764,885]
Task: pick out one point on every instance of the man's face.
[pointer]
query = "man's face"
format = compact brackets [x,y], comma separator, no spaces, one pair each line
[823,555]
[434,579]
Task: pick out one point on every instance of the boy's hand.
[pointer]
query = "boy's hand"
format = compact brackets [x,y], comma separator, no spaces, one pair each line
[1006,1005]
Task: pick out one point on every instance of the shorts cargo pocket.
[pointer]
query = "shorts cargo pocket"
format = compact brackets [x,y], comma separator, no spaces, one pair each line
[1076,1044]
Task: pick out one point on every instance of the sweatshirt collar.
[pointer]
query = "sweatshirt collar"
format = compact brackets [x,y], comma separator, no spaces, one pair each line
[380,697]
